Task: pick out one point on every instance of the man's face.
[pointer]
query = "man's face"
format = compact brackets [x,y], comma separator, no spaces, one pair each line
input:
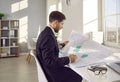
[59,25]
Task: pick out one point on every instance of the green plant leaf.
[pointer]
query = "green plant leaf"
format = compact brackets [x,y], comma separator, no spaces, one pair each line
[1,14]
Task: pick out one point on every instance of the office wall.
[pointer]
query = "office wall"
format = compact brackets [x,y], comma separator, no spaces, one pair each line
[74,15]
[32,16]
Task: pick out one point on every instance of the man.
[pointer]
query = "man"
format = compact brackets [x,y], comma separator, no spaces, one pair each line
[47,52]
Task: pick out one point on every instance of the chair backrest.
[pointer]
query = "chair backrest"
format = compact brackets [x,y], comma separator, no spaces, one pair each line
[41,75]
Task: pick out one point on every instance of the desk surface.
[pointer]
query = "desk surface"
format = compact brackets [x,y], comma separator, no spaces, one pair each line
[110,76]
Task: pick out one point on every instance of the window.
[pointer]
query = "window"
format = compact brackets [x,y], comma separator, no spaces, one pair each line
[111,22]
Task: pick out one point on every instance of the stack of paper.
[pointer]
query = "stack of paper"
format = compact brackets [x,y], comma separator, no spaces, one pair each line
[88,51]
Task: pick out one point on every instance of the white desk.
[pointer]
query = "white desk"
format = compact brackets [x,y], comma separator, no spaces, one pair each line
[110,76]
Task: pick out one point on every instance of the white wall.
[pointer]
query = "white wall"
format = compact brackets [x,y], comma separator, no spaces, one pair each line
[31,13]
[74,15]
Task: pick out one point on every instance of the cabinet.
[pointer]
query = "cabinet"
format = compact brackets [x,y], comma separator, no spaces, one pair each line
[9,36]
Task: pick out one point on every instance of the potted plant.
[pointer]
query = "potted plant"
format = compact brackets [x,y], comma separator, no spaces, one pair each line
[1,15]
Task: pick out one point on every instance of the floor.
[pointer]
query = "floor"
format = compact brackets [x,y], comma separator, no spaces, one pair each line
[17,70]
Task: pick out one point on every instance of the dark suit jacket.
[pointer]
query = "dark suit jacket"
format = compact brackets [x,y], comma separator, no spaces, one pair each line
[47,52]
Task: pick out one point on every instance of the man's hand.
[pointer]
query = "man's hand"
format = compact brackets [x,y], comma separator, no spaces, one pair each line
[72,58]
[66,42]
[61,45]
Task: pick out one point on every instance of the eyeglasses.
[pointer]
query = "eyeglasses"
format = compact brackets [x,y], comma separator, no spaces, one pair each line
[98,70]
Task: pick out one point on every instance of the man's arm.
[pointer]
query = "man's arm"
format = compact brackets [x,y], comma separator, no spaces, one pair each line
[50,53]
[61,45]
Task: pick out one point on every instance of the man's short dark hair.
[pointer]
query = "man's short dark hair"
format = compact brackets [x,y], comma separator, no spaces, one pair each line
[56,15]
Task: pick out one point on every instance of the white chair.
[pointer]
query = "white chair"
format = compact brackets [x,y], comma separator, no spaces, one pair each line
[41,75]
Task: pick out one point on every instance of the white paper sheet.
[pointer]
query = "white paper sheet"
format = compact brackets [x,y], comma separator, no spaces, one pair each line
[88,52]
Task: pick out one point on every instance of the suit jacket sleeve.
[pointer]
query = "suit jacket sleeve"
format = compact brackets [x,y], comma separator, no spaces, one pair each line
[50,53]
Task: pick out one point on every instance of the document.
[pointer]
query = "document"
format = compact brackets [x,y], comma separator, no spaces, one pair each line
[88,51]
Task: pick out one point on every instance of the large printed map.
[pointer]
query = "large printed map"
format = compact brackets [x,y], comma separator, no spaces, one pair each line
[88,51]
